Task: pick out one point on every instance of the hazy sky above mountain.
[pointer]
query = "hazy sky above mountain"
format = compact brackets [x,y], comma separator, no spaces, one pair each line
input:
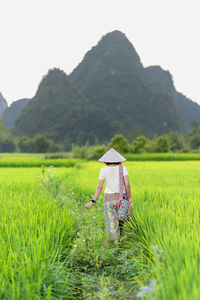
[37,35]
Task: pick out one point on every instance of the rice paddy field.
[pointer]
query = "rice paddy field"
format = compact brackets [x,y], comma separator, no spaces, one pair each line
[53,248]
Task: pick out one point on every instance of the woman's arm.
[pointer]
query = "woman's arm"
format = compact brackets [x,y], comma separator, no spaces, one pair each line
[97,193]
[128,190]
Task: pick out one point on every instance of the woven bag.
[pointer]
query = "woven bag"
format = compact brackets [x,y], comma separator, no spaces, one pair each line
[122,204]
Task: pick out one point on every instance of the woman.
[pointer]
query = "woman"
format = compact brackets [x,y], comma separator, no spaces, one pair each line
[110,175]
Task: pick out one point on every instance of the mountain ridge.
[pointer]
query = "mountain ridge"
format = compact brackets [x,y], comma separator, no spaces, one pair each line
[109,92]
[13,112]
[3,104]
[116,73]
[64,114]
[162,80]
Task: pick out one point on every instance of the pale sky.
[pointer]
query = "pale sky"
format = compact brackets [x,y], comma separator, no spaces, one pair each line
[37,35]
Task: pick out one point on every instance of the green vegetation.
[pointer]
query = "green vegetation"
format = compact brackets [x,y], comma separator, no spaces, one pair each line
[37,144]
[172,146]
[162,156]
[36,160]
[37,163]
[171,142]
[35,233]
[53,248]
[160,248]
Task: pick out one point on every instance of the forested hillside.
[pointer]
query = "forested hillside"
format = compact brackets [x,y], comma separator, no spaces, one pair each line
[13,112]
[161,80]
[3,104]
[111,75]
[61,113]
[189,111]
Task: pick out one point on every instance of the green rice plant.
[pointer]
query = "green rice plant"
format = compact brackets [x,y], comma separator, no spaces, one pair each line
[53,248]
[57,155]
[36,233]
[164,230]
[21,156]
[162,156]
[38,163]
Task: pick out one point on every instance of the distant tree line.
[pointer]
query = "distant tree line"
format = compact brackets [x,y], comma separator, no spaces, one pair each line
[170,142]
[37,144]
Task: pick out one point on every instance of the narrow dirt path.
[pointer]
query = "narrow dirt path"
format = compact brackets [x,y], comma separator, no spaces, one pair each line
[101,272]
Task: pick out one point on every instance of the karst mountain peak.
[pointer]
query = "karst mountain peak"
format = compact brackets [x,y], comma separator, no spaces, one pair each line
[108,92]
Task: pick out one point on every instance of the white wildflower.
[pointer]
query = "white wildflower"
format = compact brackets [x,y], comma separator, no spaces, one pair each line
[146,289]
[154,247]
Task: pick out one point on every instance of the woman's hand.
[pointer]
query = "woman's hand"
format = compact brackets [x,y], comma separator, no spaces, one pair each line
[89,205]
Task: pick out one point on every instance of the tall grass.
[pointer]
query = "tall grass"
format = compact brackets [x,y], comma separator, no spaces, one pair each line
[165,224]
[35,163]
[36,233]
[162,156]
[66,158]
[39,218]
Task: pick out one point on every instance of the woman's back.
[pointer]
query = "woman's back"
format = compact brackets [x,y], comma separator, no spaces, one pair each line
[111,176]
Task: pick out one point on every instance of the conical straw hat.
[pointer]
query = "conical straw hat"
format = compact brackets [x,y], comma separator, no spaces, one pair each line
[112,156]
